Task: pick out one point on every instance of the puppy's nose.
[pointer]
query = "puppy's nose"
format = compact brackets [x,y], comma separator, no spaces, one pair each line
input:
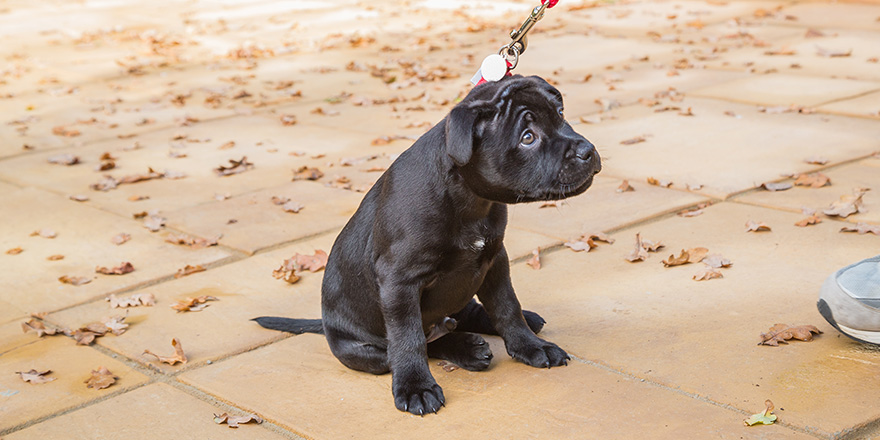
[586,152]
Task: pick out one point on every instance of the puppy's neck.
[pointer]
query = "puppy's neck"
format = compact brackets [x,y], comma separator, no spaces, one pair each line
[468,205]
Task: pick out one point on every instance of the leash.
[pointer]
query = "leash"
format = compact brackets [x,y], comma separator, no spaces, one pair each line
[496,66]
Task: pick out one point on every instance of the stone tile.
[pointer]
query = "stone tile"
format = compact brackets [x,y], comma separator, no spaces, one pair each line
[599,209]
[267,144]
[700,337]
[259,223]
[156,410]
[555,403]
[545,57]
[862,174]
[245,289]
[806,61]
[853,15]
[520,243]
[725,154]
[13,336]
[865,105]
[83,238]
[70,364]
[784,89]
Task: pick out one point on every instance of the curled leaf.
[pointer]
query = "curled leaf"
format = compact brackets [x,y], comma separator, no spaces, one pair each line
[752,226]
[763,418]
[35,377]
[707,273]
[196,304]
[122,269]
[780,333]
[234,421]
[100,379]
[847,205]
[178,355]
[535,261]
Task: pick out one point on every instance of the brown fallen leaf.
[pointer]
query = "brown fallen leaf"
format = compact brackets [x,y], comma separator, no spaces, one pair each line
[45,233]
[634,140]
[285,273]
[816,160]
[781,333]
[812,180]
[189,270]
[385,140]
[116,324]
[63,159]
[784,50]
[447,366]
[847,205]
[716,260]
[862,228]
[707,273]
[138,299]
[35,377]
[14,251]
[79,198]
[288,119]
[586,242]
[294,207]
[683,258]
[122,269]
[691,212]
[695,255]
[639,253]
[178,355]
[535,261]
[661,183]
[781,186]
[811,220]
[120,238]
[196,304]
[56,257]
[753,226]
[154,223]
[76,281]
[39,328]
[234,421]
[193,242]
[312,263]
[100,379]
[307,173]
[625,186]
[235,167]
[832,53]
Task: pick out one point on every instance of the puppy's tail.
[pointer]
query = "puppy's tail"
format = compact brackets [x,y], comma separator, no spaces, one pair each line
[295,326]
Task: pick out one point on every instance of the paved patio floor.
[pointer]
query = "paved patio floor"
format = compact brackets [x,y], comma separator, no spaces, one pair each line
[710,99]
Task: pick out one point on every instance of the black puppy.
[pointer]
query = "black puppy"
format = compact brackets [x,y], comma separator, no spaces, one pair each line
[428,237]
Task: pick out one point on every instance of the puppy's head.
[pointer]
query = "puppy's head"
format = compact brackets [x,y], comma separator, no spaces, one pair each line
[510,143]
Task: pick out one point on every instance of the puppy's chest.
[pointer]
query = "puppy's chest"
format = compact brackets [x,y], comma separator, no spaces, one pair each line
[479,240]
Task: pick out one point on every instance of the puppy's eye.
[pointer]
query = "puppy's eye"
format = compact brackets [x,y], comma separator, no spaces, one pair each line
[528,138]
[561,113]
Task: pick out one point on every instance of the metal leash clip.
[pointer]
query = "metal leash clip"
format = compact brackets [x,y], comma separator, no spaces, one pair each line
[519,41]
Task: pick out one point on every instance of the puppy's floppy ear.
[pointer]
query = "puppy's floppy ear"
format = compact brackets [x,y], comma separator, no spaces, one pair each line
[460,126]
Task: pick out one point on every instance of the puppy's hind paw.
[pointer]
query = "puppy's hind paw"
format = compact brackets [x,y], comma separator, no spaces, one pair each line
[467,350]
[544,355]
[419,400]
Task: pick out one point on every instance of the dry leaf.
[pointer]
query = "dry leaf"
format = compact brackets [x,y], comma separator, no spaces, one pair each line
[293,207]
[634,140]
[862,228]
[782,186]
[784,50]
[832,53]
[100,379]
[307,173]
[76,281]
[189,270]
[716,260]
[813,180]
[196,304]
[697,254]
[783,332]
[122,269]
[55,257]
[661,183]
[691,212]
[154,223]
[235,167]
[14,251]
[639,253]
[33,325]
[587,242]
[625,186]
[535,261]
[35,377]
[707,273]
[288,119]
[178,355]
[79,198]
[45,233]
[234,421]
[64,159]
[116,324]
[811,220]
[138,299]
[847,205]
[447,366]
[763,418]
[120,238]
[684,258]
[816,160]
[193,242]
[752,226]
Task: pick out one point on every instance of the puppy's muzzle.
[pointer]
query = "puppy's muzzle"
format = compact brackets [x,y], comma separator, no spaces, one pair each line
[586,152]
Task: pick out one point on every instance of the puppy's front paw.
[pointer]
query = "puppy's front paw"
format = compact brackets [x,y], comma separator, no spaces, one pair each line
[419,397]
[542,355]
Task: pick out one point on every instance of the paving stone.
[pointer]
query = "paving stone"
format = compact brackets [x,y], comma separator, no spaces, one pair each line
[726,154]
[844,179]
[544,57]
[245,290]
[857,15]
[259,223]
[13,336]
[267,144]
[520,243]
[784,89]
[658,324]
[83,238]
[153,411]
[600,209]
[555,403]
[866,105]
[71,366]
